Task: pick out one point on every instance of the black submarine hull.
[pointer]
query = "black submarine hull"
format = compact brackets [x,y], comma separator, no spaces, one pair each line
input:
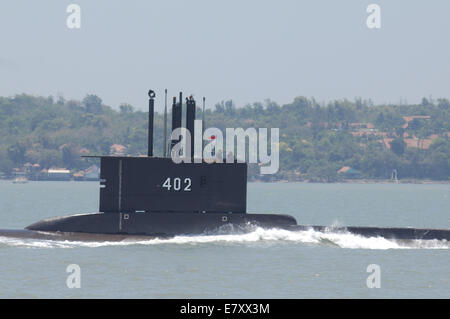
[70,236]
[396,233]
[119,226]
[160,224]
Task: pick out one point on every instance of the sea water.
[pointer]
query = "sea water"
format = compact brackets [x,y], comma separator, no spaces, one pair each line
[265,263]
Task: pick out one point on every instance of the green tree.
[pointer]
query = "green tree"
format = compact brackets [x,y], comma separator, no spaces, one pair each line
[70,156]
[93,104]
[6,165]
[126,108]
[16,153]
[398,146]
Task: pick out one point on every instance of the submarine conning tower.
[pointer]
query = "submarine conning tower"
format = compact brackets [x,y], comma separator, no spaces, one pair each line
[158,184]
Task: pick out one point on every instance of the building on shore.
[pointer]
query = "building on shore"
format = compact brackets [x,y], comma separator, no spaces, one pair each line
[90,174]
[348,172]
[56,174]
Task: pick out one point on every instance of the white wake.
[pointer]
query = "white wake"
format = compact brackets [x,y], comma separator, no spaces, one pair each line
[257,235]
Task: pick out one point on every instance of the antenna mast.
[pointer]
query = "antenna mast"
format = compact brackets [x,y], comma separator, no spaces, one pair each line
[151,111]
[165,126]
[203,122]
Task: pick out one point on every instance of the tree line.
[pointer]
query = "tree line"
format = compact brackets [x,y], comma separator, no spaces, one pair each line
[316,139]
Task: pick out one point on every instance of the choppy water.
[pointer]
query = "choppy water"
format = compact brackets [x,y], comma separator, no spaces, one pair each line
[262,264]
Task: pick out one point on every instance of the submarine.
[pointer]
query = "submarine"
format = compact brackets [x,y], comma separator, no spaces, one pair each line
[157,197]
[149,196]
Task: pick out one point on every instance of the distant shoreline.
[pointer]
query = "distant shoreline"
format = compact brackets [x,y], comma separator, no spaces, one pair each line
[362,181]
[388,181]
[345,181]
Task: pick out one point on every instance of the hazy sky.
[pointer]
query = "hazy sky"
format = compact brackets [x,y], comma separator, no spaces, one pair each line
[246,50]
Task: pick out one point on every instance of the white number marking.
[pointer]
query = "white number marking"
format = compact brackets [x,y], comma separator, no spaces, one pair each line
[167,184]
[177,185]
[187,182]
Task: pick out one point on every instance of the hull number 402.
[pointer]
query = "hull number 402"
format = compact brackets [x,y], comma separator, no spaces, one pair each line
[178,184]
